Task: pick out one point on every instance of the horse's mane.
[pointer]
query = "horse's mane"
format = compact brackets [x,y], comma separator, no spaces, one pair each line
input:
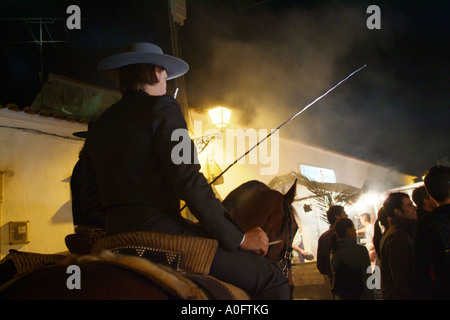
[239,193]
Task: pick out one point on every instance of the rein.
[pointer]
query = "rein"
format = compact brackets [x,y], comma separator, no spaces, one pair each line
[284,264]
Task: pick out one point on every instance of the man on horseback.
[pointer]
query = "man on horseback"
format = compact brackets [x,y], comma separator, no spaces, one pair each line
[130,152]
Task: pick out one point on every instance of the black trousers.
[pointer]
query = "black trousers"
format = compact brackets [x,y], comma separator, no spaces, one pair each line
[254,274]
[245,269]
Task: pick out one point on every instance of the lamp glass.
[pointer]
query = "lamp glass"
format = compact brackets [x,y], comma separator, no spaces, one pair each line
[220,117]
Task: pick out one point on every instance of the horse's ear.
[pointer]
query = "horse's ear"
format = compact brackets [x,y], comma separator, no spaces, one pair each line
[290,195]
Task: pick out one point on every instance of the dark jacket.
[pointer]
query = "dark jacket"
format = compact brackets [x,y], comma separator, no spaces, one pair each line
[397,261]
[432,248]
[349,265]
[86,203]
[323,253]
[130,148]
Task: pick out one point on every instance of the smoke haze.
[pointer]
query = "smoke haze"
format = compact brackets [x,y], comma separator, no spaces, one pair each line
[269,66]
[266,60]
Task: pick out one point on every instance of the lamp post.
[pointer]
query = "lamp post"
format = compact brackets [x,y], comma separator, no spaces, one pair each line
[220,118]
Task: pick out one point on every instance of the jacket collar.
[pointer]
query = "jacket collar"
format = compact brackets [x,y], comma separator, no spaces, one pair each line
[404,224]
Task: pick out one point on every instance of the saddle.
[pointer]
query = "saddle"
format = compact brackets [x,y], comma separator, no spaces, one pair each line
[179,252]
[178,263]
[188,256]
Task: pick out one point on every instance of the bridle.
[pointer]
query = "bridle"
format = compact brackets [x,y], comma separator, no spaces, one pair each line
[284,264]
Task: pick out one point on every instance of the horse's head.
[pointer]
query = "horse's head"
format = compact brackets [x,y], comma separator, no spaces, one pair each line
[287,228]
[254,204]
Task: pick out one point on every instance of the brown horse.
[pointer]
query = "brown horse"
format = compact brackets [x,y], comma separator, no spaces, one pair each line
[100,280]
[252,204]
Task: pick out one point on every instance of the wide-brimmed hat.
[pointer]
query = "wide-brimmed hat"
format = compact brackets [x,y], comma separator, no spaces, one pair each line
[142,52]
[80,134]
[84,134]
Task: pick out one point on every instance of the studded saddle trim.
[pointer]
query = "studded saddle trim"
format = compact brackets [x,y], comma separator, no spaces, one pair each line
[168,258]
[196,253]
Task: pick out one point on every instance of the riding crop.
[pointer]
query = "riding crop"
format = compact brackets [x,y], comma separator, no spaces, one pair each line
[284,123]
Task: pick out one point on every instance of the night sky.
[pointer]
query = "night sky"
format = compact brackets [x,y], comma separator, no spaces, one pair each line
[266,60]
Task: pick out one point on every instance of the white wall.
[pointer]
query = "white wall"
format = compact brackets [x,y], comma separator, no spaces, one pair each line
[36,180]
[291,154]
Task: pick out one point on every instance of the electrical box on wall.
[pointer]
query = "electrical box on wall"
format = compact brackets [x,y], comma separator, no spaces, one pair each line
[18,232]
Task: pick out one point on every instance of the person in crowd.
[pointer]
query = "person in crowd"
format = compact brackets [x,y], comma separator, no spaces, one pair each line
[299,247]
[368,233]
[141,180]
[380,229]
[324,247]
[432,242]
[397,252]
[350,264]
[425,204]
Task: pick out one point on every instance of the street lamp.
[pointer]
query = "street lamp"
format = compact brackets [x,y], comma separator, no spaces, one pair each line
[220,117]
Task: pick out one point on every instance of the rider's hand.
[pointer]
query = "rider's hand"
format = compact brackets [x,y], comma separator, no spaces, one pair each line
[256,240]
